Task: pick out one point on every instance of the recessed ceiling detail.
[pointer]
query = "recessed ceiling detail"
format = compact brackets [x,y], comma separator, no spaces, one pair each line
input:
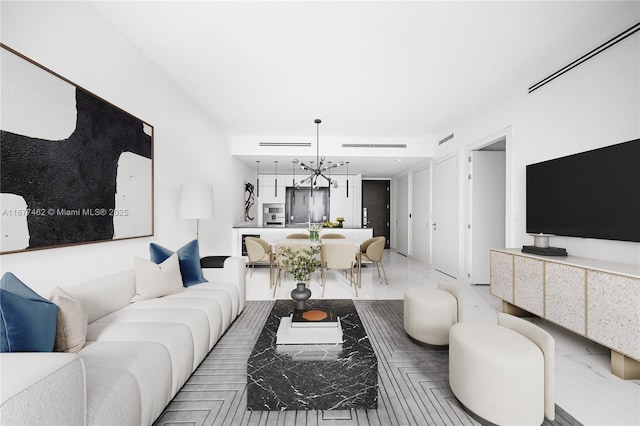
[285,143]
[601,48]
[374,145]
[443,140]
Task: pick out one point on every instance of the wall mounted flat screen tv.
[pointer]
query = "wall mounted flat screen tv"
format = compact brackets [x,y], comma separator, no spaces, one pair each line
[593,194]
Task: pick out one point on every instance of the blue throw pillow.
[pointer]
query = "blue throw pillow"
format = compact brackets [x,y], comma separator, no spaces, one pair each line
[189,258]
[29,321]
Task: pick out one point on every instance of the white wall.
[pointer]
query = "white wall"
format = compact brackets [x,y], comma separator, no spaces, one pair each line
[594,105]
[74,40]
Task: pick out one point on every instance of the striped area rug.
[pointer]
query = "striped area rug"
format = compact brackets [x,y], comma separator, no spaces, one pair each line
[413,380]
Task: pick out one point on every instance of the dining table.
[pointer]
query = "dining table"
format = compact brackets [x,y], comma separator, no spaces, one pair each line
[302,243]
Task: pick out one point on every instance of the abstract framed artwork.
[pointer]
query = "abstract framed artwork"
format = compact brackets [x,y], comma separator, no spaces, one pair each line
[75,169]
[249,201]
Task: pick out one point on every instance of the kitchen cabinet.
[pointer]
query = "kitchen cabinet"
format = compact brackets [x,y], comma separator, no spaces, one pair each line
[268,192]
[339,204]
[350,208]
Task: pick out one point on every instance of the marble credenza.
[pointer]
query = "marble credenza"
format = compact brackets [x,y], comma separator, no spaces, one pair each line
[596,299]
[316,378]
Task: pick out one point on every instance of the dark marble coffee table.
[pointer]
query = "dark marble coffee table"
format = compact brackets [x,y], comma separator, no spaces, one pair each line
[317,377]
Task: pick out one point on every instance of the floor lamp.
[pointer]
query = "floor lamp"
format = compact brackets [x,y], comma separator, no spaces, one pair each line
[196,202]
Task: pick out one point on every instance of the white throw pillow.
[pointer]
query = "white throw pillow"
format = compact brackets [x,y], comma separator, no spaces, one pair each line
[71,330]
[153,280]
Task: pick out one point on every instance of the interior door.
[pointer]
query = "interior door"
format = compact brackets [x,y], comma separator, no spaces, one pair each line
[402,212]
[487,210]
[445,219]
[375,207]
[421,231]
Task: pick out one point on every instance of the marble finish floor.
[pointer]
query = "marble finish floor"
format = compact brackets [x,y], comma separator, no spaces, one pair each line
[585,388]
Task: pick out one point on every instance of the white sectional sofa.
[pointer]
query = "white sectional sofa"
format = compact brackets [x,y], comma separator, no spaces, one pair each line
[136,358]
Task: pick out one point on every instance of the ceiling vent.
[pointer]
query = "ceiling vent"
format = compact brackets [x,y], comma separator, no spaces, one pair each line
[604,46]
[446,139]
[374,145]
[285,143]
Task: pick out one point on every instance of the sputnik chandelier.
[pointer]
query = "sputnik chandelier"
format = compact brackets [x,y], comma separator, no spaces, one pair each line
[320,169]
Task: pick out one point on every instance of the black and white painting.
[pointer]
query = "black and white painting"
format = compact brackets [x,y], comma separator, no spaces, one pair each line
[74,168]
[249,201]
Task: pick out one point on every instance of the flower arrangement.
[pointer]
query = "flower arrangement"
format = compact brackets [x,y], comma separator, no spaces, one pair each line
[314,231]
[300,263]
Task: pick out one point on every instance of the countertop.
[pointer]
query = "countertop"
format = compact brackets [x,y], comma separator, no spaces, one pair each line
[293,227]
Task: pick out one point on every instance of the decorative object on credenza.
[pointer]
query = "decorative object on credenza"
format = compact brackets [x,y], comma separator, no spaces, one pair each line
[541,246]
[340,220]
[75,168]
[541,240]
[196,202]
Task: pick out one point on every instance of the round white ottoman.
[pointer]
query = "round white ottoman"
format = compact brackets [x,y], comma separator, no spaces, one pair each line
[429,313]
[497,373]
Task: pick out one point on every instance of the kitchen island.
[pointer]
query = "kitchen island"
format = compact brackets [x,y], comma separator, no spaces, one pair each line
[272,235]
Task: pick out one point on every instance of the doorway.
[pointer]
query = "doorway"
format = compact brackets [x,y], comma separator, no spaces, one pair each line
[486,226]
[376,213]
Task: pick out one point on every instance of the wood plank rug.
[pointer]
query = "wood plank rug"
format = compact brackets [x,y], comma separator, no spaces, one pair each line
[413,380]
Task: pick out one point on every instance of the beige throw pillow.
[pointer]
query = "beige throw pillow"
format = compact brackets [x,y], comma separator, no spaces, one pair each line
[71,330]
[157,280]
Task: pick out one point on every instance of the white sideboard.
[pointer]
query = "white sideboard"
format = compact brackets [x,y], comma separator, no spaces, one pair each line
[597,299]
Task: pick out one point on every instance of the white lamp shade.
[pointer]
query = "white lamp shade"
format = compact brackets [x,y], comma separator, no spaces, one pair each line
[196,201]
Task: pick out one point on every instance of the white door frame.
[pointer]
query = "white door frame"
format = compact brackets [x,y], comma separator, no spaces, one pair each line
[505,134]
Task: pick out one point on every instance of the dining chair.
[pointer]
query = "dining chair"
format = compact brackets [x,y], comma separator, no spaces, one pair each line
[298,236]
[371,250]
[277,261]
[258,250]
[332,236]
[341,256]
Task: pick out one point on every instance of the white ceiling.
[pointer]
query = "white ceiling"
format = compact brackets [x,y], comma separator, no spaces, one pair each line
[391,70]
